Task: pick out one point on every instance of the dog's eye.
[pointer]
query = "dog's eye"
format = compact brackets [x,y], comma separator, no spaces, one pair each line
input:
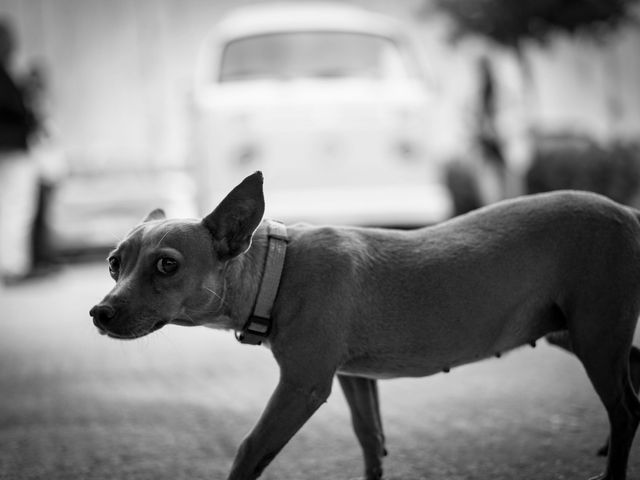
[114,267]
[167,266]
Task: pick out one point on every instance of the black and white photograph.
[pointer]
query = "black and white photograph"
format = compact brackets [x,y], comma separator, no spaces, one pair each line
[319,239]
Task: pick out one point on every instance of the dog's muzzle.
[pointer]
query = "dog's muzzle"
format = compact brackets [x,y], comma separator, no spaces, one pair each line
[101,315]
[109,322]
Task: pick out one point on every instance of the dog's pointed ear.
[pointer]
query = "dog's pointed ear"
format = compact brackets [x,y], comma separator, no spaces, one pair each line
[234,220]
[157,214]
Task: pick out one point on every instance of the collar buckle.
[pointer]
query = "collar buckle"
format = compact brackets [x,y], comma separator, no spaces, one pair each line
[255,331]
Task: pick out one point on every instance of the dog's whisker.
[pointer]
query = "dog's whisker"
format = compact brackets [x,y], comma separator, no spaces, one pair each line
[214,292]
[219,297]
[189,317]
[205,311]
[163,237]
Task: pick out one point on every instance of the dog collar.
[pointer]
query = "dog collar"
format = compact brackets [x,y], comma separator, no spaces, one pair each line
[258,327]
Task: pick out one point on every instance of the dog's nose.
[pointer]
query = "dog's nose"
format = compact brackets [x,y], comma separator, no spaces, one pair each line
[102,314]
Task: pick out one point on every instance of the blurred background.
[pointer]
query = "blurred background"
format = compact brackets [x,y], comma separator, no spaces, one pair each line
[375,113]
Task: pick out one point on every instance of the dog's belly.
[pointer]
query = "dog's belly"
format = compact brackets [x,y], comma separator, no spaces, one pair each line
[443,349]
[397,365]
[387,367]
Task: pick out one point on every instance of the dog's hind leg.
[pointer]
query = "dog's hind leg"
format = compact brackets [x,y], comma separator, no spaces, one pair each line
[362,396]
[602,342]
[561,339]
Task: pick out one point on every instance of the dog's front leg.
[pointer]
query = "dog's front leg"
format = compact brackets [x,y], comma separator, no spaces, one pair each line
[293,402]
[362,397]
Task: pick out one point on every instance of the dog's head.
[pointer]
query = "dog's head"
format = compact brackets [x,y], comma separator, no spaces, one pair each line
[171,271]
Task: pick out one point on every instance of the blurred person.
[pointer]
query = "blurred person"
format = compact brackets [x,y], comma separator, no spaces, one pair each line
[502,126]
[481,177]
[50,163]
[488,138]
[18,170]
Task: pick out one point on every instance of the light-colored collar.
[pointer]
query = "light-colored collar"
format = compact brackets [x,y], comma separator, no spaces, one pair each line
[259,325]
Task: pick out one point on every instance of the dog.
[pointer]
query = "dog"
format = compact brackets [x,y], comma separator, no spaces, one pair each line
[367,304]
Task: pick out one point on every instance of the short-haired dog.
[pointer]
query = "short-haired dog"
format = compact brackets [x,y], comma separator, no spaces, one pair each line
[370,303]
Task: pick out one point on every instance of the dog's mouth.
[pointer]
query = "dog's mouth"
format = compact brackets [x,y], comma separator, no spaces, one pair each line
[132,335]
[158,325]
[183,322]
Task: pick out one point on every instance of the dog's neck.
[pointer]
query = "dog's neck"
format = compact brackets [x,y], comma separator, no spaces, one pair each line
[242,277]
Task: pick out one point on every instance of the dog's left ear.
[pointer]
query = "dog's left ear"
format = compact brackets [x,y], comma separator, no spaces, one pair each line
[235,219]
[157,214]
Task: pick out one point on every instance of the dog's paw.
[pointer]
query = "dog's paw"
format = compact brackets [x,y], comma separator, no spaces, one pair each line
[602,476]
[374,474]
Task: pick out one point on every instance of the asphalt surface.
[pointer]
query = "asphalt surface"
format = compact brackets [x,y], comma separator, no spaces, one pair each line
[176,404]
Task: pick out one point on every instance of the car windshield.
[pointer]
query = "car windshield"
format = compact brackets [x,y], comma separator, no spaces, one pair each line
[312,55]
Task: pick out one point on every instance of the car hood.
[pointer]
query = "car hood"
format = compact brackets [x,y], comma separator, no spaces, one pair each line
[322,92]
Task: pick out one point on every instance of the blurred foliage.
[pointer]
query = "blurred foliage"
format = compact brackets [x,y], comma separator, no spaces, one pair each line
[570,162]
[510,22]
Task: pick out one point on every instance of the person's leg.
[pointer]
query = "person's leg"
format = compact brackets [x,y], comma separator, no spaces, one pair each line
[18,196]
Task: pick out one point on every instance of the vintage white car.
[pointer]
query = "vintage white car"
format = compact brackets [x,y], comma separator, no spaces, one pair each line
[331,102]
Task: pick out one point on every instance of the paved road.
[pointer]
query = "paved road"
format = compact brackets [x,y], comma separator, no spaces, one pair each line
[175,405]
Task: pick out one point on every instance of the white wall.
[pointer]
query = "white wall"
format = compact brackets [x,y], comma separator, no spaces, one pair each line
[120,73]
[589,87]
